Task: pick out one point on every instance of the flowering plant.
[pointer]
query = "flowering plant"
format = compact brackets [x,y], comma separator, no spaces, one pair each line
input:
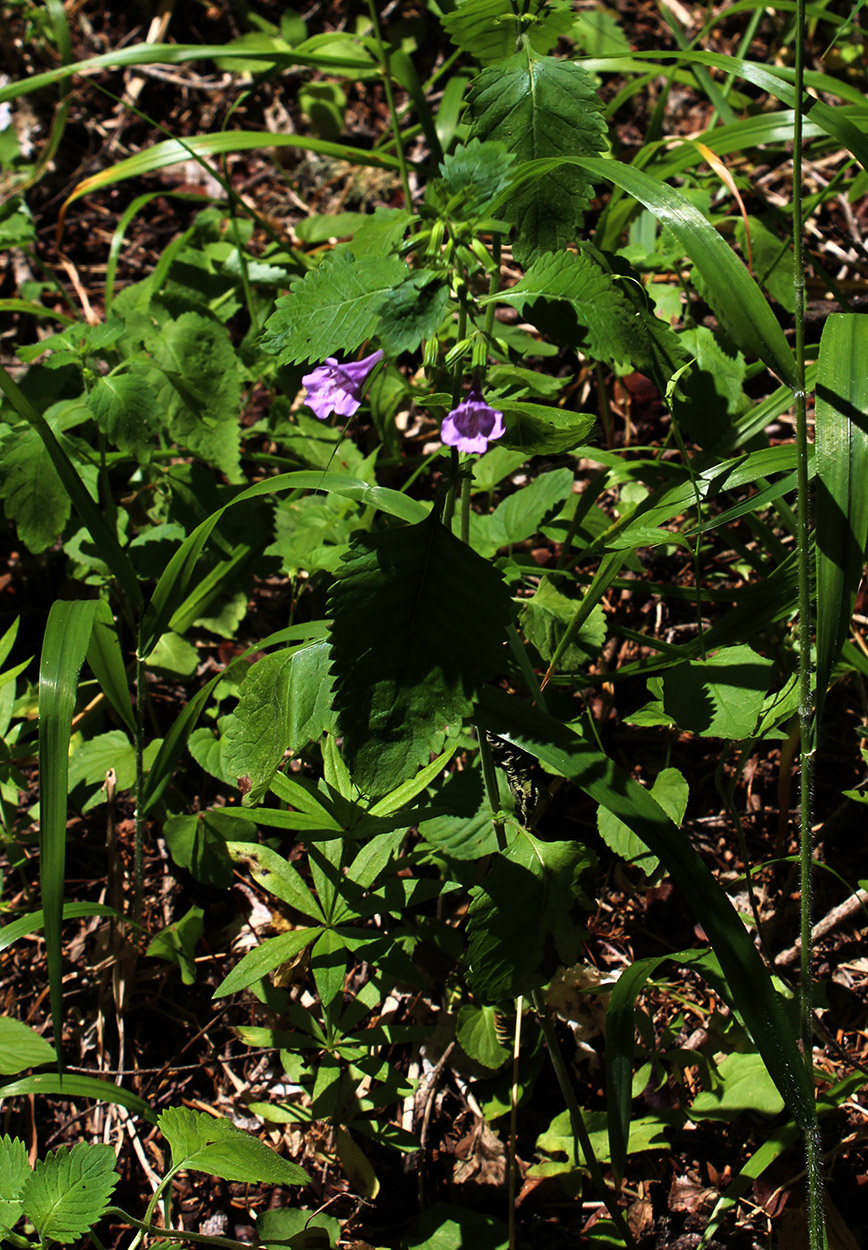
[336,387]
[472,425]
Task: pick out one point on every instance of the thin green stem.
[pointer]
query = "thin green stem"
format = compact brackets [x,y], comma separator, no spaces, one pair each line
[138,871]
[580,1132]
[390,100]
[492,790]
[816,1228]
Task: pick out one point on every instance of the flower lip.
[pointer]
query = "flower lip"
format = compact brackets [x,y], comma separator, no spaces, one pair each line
[472,425]
[337,387]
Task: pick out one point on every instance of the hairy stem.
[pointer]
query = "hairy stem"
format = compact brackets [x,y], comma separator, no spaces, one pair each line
[816,1229]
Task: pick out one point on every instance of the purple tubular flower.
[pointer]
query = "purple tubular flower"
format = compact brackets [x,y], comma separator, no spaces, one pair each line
[336,387]
[472,425]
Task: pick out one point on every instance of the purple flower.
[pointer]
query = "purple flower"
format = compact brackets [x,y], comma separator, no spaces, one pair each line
[472,425]
[336,387]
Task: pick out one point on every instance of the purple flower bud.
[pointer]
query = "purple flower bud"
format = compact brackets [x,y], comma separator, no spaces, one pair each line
[472,425]
[335,387]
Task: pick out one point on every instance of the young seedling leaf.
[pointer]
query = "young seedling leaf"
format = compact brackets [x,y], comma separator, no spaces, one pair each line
[404,664]
[201,1143]
[68,1191]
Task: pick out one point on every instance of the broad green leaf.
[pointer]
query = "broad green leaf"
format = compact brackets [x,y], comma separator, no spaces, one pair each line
[34,496]
[14,1171]
[283,704]
[277,875]
[709,395]
[546,618]
[404,664]
[280,1225]
[671,791]
[648,1132]
[333,309]
[745,1085]
[174,654]
[524,918]
[199,843]
[772,260]
[412,311]
[720,697]
[446,1226]
[476,1034]
[200,1143]
[841,507]
[522,513]
[542,430]
[539,107]
[64,646]
[22,1047]
[177,943]
[68,1191]
[203,404]
[749,983]
[264,959]
[126,408]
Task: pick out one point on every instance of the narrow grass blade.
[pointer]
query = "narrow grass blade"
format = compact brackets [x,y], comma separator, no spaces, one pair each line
[173,151]
[609,569]
[841,508]
[749,983]
[34,921]
[178,574]
[64,647]
[107,663]
[72,1086]
[104,539]
[175,54]
[732,292]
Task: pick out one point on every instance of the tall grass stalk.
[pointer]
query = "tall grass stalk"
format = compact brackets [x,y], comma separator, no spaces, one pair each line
[816,1223]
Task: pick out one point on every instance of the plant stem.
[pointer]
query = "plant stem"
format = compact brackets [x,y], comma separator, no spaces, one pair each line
[390,99]
[816,1229]
[580,1133]
[138,871]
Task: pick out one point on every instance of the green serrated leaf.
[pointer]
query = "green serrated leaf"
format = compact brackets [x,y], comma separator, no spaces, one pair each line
[332,309]
[203,396]
[472,177]
[720,697]
[547,617]
[486,29]
[412,311]
[575,301]
[200,1143]
[22,1047]
[284,703]
[540,106]
[125,406]
[404,663]
[671,791]
[14,1171]
[744,1085]
[68,1191]
[523,919]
